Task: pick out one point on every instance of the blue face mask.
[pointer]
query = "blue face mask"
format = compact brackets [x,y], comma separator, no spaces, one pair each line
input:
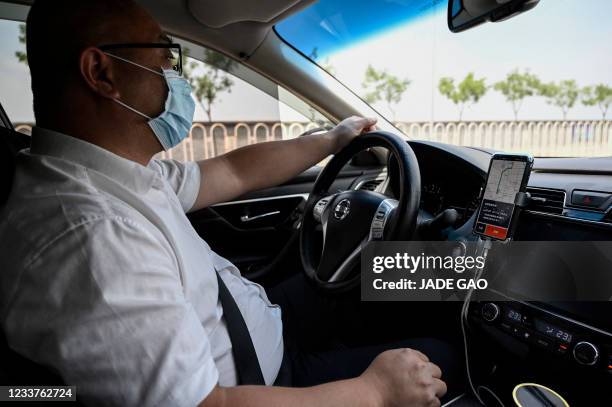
[173,125]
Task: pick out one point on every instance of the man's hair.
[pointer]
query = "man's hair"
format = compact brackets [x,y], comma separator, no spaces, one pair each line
[56,32]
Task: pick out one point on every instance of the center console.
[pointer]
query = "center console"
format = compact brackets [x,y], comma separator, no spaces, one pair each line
[564,345]
[568,340]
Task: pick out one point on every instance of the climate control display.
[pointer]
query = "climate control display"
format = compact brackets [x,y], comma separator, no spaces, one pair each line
[552,331]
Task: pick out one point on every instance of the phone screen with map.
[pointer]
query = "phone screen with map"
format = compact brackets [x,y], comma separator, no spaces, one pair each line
[508,175]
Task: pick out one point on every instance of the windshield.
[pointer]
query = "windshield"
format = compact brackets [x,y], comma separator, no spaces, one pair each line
[539,83]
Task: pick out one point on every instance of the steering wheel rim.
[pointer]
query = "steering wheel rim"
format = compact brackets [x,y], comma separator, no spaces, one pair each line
[396,219]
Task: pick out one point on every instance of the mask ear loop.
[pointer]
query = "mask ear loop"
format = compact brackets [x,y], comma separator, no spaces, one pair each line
[140,66]
[132,109]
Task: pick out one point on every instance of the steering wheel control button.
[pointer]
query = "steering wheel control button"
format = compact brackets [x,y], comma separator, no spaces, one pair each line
[586,353]
[342,209]
[320,208]
[490,312]
[377,228]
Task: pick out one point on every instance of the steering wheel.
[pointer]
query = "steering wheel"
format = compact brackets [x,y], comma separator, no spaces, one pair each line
[351,219]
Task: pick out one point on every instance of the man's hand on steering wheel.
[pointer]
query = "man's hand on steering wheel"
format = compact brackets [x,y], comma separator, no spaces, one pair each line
[350,128]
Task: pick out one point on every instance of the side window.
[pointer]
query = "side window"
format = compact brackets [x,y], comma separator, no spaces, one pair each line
[15,92]
[234,105]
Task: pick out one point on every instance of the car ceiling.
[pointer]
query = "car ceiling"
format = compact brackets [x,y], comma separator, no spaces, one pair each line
[235,27]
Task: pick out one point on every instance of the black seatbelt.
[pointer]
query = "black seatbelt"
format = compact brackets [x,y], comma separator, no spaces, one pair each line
[245,358]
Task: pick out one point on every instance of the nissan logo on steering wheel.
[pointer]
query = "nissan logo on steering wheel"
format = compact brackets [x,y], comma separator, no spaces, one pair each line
[342,209]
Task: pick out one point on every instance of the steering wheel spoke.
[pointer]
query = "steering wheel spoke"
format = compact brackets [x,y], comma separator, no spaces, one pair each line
[349,264]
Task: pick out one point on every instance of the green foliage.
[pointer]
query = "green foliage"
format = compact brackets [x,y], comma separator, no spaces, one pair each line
[382,86]
[208,79]
[516,87]
[21,55]
[467,92]
[600,95]
[563,94]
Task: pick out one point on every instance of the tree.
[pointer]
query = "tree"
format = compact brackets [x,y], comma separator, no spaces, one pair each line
[516,87]
[209,79]
[468,92]
[563,95]
[382,86]
[21,55]
[600,95]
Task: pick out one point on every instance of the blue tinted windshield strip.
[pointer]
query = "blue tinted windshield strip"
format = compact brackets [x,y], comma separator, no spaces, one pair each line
[331,25]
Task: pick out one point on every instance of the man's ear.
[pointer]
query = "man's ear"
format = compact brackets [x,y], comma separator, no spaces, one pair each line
[97,72]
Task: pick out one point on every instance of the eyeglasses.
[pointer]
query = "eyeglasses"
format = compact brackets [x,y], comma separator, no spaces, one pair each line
[175,55]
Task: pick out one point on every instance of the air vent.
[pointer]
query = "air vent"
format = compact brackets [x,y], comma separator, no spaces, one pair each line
[546,200]
[369,185]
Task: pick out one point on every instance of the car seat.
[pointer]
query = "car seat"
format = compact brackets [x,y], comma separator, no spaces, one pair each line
[15,369]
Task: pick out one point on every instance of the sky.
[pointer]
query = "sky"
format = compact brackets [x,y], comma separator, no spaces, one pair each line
[559,39]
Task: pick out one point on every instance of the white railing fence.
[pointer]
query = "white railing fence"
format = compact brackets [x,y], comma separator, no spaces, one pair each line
[207,140]
[540,138]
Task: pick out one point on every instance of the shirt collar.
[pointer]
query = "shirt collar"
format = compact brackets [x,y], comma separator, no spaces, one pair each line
[129,173]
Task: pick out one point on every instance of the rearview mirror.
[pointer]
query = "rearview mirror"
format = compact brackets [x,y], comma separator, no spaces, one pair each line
[465,14]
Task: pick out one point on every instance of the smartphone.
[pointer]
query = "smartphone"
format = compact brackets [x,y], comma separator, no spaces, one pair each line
[508,175]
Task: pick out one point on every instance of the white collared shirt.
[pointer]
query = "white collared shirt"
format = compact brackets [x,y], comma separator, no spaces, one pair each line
[104,279]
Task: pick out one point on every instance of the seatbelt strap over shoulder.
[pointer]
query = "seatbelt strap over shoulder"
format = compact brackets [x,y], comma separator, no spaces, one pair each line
[245,358]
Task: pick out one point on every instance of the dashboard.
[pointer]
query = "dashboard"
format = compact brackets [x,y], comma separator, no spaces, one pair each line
[448,181]
[452,177]
[571,201]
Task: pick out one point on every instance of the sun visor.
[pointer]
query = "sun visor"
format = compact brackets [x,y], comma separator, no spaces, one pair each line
[218,14]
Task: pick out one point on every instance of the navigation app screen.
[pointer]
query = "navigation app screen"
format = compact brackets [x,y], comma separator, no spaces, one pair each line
[504,182]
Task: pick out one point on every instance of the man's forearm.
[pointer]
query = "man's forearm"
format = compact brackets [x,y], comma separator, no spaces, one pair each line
[260,166]
[267,164]
[353,392]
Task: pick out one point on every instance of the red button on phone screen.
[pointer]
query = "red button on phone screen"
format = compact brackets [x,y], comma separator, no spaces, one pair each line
[496,232]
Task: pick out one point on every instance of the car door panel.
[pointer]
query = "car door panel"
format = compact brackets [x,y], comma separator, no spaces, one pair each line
[257,230]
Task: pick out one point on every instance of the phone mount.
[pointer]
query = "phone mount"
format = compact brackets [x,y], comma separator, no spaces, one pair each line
[522,200]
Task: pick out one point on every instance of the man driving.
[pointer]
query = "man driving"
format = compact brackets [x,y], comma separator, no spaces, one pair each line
[105,281]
